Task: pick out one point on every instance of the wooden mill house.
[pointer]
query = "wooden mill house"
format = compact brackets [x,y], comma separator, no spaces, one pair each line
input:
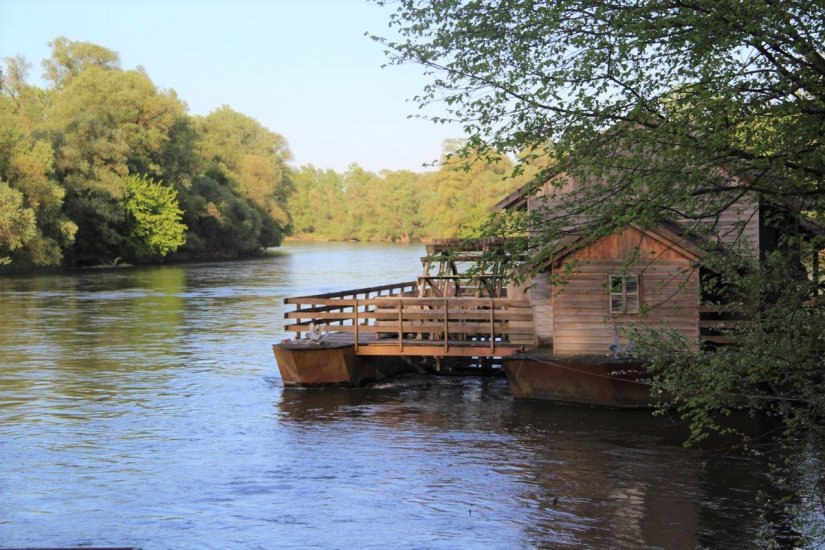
[559,340]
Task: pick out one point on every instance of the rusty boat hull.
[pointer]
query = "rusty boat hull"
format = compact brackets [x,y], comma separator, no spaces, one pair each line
[303,365]
[579,380]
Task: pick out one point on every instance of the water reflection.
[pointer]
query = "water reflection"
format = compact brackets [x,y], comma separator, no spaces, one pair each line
[142,407]
[571,477]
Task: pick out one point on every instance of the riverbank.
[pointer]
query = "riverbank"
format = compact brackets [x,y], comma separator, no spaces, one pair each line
[319,239]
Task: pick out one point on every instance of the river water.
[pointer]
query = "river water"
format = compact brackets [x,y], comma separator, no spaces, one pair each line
[143,407]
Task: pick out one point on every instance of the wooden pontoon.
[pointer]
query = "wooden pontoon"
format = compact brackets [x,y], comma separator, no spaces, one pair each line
[457,308]
[596,380]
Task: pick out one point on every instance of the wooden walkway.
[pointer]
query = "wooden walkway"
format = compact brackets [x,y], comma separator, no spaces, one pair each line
[392,320]
[371,344]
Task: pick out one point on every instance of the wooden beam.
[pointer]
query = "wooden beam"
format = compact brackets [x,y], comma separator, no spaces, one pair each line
[411,349]
[352,292]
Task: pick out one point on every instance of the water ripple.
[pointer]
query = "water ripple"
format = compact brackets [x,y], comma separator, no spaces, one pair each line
[142,407]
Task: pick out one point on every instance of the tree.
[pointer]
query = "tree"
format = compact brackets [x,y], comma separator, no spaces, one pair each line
[398,206]
[359,214]
[104,123]
[26,164]
[71,58]
[82,156]
[153,219]
[667,109]
[17,224]
[315,205]
[221,224]
[250,160]
[461,193]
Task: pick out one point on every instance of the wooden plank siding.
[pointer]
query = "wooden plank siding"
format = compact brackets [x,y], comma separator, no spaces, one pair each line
[542,299]
[737,226]
[576,318]
[669,293]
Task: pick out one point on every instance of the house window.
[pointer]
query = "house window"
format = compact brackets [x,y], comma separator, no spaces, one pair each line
[624,293]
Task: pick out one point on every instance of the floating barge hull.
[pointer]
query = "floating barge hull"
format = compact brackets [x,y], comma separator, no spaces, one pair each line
[334,365]
[580,380]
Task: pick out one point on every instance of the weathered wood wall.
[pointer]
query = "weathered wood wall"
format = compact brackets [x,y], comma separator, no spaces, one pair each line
[737,225]
[669,284]
[542,299]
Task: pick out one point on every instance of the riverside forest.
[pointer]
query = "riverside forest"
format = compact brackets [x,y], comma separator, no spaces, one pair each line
[104,167]
[595,121]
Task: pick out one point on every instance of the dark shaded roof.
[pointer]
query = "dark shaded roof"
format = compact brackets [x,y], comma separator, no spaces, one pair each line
[515,200]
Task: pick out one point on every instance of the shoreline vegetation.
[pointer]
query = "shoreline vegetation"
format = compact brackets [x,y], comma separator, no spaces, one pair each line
[102,167]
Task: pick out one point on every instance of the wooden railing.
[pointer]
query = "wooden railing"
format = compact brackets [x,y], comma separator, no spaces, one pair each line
[407,288]
[393,315]
[718,323]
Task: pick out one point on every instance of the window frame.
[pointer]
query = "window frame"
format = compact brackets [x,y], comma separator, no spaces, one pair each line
[620,299]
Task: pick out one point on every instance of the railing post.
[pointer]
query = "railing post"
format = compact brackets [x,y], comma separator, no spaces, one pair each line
[355,322]
[299,321]
[400,325]
[492,325]
[446,325]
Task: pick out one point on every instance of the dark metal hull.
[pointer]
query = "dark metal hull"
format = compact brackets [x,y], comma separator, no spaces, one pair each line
[325,365]
[594,381]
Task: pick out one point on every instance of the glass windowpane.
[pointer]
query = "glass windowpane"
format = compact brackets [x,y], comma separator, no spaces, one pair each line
[616,303]
[631,283]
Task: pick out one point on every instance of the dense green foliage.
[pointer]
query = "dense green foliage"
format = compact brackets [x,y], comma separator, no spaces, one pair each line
[103,166]
[397,206]
[153,218]
[670,110]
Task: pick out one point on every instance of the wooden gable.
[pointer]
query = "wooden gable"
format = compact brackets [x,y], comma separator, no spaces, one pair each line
[668,294]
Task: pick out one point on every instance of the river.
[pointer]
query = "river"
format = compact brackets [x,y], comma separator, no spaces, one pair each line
[143,407]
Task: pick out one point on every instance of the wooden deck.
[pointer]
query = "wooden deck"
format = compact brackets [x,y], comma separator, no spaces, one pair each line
[394,320]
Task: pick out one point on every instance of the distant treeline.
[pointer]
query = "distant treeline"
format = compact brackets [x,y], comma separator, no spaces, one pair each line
[102,166]
[397,206]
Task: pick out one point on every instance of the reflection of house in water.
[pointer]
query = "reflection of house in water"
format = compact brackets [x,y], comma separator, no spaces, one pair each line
[598,479]
[544,477]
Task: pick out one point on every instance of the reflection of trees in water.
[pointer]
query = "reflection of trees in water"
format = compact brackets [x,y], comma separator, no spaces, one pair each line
[753,505]
[605,479]
[90,335]
[569,476]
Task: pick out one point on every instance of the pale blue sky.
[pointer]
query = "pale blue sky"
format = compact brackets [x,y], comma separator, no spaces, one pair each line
[303,69]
